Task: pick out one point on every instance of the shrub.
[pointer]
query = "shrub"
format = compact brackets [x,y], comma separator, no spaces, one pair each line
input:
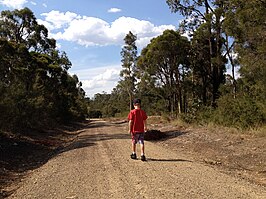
[201,115]
[95,114]
[241,112]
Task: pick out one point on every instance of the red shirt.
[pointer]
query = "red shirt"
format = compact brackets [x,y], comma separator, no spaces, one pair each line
[138,116]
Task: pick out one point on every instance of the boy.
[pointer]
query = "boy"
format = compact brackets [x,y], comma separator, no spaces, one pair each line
[137,126]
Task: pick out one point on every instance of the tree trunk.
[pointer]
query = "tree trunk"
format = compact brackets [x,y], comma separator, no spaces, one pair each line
[228,51]
[212,67]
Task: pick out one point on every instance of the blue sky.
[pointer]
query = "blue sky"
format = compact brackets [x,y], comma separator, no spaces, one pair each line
[91,32]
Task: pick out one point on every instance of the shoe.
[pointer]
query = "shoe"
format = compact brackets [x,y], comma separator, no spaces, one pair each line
[133,156]
[143,158]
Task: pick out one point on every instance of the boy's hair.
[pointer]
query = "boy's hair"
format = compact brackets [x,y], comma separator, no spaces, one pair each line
[136,101]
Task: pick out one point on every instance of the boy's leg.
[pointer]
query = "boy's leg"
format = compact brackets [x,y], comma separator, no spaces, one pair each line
[141,140]
[142,149]
[142,157]
[133,143]
[133,147]
[133,155]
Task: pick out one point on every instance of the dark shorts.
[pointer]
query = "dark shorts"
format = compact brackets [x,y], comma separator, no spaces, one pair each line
[137,138]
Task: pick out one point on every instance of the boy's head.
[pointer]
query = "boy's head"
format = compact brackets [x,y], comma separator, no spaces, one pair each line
[137,102]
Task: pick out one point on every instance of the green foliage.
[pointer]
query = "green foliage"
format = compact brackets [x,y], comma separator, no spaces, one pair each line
[173,75]
[205,20]
[20,26]
[95,114]
[129,57]
[188,77]
[198,114]
[242,112]
[104,105]
[164,67]
[36,89]
[245,21]
[123,114]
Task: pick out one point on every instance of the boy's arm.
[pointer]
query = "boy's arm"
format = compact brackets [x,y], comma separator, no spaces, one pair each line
[145,125]
[130,123]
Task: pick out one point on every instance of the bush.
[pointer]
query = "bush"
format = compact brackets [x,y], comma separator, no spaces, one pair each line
[241,112]
[123,114]
[199,116]
[95,114]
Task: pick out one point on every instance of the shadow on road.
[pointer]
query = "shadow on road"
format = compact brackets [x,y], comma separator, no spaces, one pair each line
[83,141]
[168,160]
[32,148]
[86,140]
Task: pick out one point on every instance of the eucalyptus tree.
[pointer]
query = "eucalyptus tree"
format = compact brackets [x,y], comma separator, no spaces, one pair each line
[12,88]
[211,13]
[165,63]
[129,57]
[201,72]
[21,27]
[245,21]
[35,85]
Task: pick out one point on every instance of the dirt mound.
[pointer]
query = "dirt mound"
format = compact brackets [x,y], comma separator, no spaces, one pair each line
[154,135]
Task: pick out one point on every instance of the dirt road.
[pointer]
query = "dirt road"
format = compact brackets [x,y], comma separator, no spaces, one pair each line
[98,165]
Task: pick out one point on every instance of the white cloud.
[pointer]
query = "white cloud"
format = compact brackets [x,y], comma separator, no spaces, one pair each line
[33,3]
[44,5]
[48,25]
[58,20]
[98,80]
[91,31]
[13,4]
[58,45]
[87,31]
[142,42]
[114,10]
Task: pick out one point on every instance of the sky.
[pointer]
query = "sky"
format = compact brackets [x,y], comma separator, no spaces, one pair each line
[91,32]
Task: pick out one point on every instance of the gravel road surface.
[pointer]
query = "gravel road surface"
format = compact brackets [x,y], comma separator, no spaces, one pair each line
[98,165]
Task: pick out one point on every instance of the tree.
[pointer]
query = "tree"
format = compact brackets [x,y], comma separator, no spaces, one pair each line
[200,65]
[211,13]
[21,26]
[165,63]
[245,21]
[129,57]
[36,89]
